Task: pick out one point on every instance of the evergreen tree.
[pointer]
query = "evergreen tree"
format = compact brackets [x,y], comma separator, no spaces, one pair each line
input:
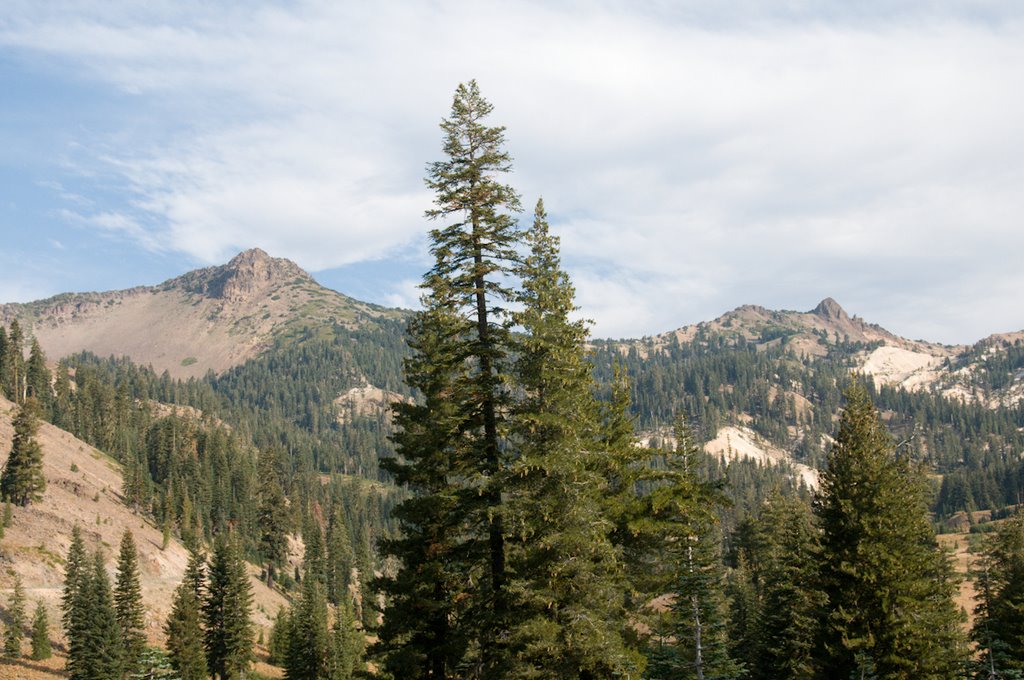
[15,622]
[38,378]
[3,360]
[22,481]
[999,616]
[699,625]
[567,602]
[128,604]
[348,645]
[40,633]
[94,635]
[280,637]
[272,518]
[450,590]
[780,555]
[184,624]
[228,634]
[314,557]
[309,641]
[73,570]
[340,557]
[13,367]
[889,586]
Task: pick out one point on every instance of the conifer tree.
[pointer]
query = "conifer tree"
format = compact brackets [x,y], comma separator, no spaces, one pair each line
[280,637]
[3,360]
[13,367]
[228,633]
[309,641]
[999,616]
[453,546]
[780,555]
[184,624]
[684,505]
[15,630]
[128,604]
[314,557]
[22,481]
[37,377]
[889,586]
[271,518]
[40,633]
[94,636]
[340,557]
[567,603]
[73,569]
[348,645]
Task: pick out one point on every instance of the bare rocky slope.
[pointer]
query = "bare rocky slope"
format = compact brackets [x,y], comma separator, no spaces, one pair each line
[889,359]
[83,486]
[206,320]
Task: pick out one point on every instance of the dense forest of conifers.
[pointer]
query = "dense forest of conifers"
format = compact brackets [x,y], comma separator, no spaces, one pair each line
[505,525]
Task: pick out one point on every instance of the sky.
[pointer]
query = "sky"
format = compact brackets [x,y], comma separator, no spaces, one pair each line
[692,156]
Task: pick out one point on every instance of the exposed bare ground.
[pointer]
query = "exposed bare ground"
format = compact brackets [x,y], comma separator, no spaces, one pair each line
[35,544]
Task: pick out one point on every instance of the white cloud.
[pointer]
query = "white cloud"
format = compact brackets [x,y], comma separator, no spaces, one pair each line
[693,160]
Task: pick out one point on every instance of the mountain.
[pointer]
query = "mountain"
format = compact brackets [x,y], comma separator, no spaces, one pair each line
[959,371]
[299,365]
[84,486]
[210,319]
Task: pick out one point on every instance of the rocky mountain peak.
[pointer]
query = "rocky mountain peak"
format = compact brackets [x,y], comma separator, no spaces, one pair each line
[830,309]
[246,275]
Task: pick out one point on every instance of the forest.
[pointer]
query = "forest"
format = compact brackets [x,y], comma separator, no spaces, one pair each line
[502,522]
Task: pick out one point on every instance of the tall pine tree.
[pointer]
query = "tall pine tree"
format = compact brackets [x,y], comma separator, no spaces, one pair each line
[228,634]
[15,630]
[452,443]
[565,583]
[684,505]
[22,481]
[999,616]
[95,648]
[41,648]
[889,586]
[184,624]
[128,603]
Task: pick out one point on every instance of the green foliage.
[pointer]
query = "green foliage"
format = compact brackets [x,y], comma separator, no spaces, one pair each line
[12,363]
[777,555]
[309,652]
[890,588]
[228,633]
[567,616]
[450,444]
[40,633]
[184,624]
[128,604]
[999,616]
[22,481]
[95,650]
[272,519]
[14,632]
[280,637]
[697,646]
[348,645]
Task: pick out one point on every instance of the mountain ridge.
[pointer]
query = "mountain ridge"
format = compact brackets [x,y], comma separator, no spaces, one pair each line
[209,319]
[218,317]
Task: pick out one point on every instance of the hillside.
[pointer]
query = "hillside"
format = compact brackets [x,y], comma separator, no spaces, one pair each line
[83,486]
[952,370]
[207,320]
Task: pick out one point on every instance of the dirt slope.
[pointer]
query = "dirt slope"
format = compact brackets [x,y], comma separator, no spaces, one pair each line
[207,320]
[35,544]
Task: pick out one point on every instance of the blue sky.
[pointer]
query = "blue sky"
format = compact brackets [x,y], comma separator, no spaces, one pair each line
[693,156]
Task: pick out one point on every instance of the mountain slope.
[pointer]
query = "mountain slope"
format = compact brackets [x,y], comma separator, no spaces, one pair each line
[83,486]
[207,320]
